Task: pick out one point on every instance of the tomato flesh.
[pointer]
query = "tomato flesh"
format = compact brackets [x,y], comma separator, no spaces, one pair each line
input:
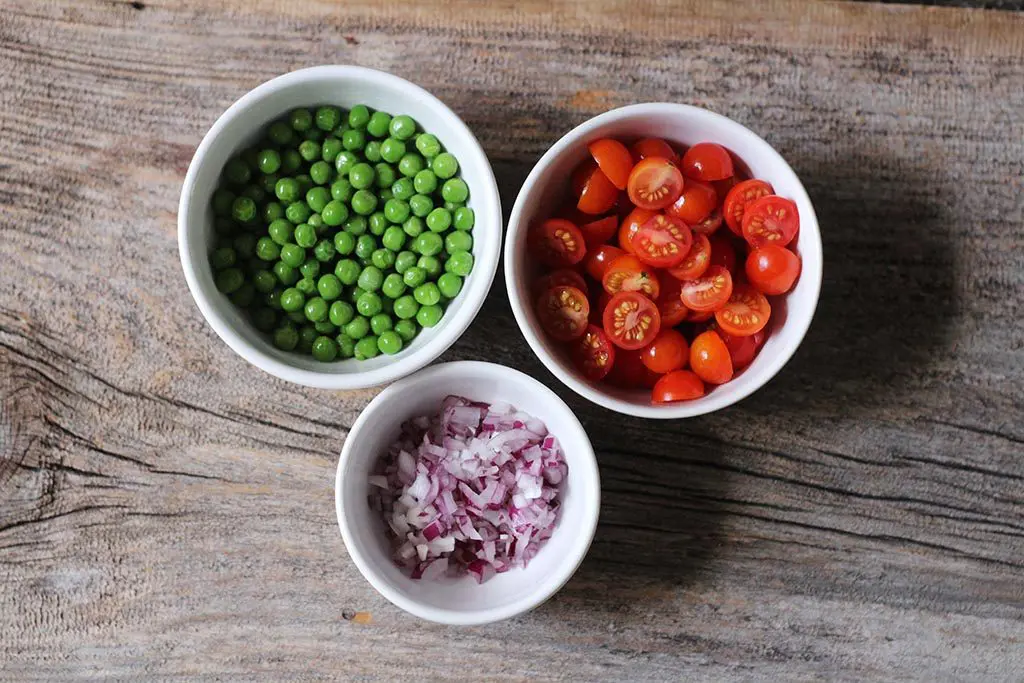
[681,385]
[600,259]
[709,292]
[695,204]
[630,224]
[613,159]
[709,225]
[746,312]
[654,183]
[662,242]
[627,273]
[556,243]
[631,320]
[598,195]
[739,198]
[669,351]
[593,353]
[770,220]
[600,231]
[696,261]
[707,161]
[651,147]
[772,269]
[709,358]
[563,312]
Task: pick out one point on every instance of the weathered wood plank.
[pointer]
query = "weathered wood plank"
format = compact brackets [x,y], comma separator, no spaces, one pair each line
[166,510]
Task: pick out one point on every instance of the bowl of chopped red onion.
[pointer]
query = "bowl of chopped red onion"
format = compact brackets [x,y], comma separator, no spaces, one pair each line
[467,493]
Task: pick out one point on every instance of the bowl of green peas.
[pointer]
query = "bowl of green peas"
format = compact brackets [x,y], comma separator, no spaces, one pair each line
[339,227]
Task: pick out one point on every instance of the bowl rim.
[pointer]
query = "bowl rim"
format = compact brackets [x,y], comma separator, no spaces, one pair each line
[584,532]
[475,293]
[809,230]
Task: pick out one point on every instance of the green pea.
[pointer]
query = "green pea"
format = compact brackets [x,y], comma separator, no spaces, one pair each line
[410,165]
[366,348]
[371,278]
[297,212]
[257,195]
[364,202]
[300,119]
[378,124]
[222,258]
[372,152]
[324,349]
[264,319]
[305,235]
[237,172]
[425,182]
[345,161]
[229,280]
[307,335]
[281,231]
[323,251]
[272,211]
[243,209]
[378,222]
[292,299]
[225,226]
[307,286]
[413,226]
[358,327]
[222,201]
[347,271]
[464,218]
[393,286]
[342,190]
[445,166]
[346,345]
[428,145]
[406,307]
[268,161]
[305,183]
[334,213]
[389,342]
[353,140]
[414,277]
[291,161]
[455,190]
[458,241]
[267,249]
[402,127]
[403,189]
[385,194]
[330,150]
[293,255]
[428,244]
[396,210]
[321,172]
[383,258]
[328,118]
[380,323]
[394,237]
[245,246]
[449,285]
[329,287]
[428,316]
[427,294]
[286,338]
[310,268]
[316,309]
[359,116]
[439,219]
[361,176]
[392,150]
[264,281]
[385,175]
[365,246]
[344,243]
[431,265]
[460,263]
[286,275]
[273,298]
[287,190]
[340,313]
[421,205]
[317,221]
[267,183]
[310,150]
[326,327]
[368,304]
[404,261]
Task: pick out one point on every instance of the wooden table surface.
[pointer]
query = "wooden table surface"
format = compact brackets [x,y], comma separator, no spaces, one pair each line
[166,510]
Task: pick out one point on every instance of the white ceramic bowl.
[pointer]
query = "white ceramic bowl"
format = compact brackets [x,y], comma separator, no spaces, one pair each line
[546,184]
[463,601]
[241,125]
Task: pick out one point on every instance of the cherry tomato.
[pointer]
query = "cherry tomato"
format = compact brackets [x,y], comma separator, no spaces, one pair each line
[662,242]
[671,307]
[707,161]
[556,243]
[557,278]
[622,205]
[627,273]
[597,312]
[613,159]
[723,253]
[700,316]
[669,351]
[598,260]
[570,213]
[599,231]
[709,358]
[681,385]
[770,220]
[737,200]
[631,320]
[709,292]
[695,204]
[651,147]
[593,353]
[742,350]
[580,177]
[630,224]
[629,371]
[772,269]
[746,312]
[709,225]
[696,262]
[563,312]
[654,183]
[722,187]
[598,194]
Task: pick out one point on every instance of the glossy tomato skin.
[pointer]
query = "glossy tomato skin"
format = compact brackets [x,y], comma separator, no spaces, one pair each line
[600,231]
[695,204]
[680,385]
[671,307]
[627,273]
[723,253]
[710,359]
[613,159]
[580,176]
[707,161]
[772,269]
[669,351]
[746,312]
[742,350]
[630,224]
[662,242]
[629,372]
[710,225]
[654,183]
[631,320]
[651,147]
[599,259]
[598,195]
[739,197]
[556,243]
[563,312]
[770,220]
[593,353]
[556,278]
[696,262]
[709,292]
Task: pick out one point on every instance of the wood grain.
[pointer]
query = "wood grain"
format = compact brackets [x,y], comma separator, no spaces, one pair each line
[166,510]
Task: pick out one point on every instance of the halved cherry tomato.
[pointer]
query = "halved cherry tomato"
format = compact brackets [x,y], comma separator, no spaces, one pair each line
[681,385]
[570,213]
[563,312]
[580,176]
[651,147]
[722,187]
[709,358]
[723,253]
[593,353]
[770,220]
[742,350]
[746,312]
[773,269]
[700,316]
[627,273]
[557,278]
[556,243]
[696,262]
[709,292]
[672,309]
[622,205]
[654,183]
[695,204]
[613,159]
[662,242]
[709,225]
[631,320]
[630,224]
[707,161]
[598,194]
[597,312]
[599,231]
[629,372]
[737,200]
[669,351]
[598,260]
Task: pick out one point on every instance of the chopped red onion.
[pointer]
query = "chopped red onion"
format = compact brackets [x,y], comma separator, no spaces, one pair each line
[474,490]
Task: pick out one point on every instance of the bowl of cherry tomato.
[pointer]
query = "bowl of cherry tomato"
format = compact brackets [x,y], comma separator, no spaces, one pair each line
[663,261]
